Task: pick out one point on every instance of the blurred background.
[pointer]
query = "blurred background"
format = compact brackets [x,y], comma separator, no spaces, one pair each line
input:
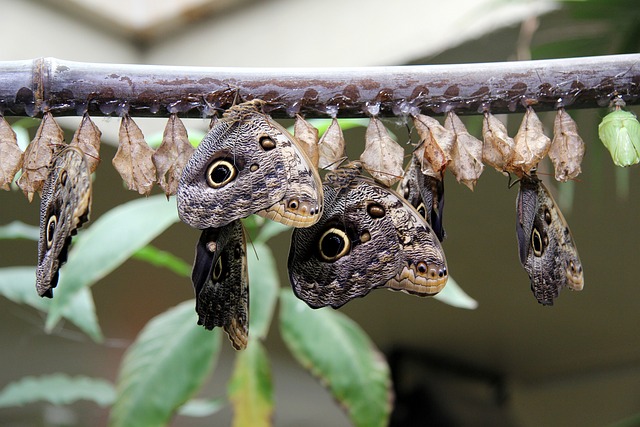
[510,362]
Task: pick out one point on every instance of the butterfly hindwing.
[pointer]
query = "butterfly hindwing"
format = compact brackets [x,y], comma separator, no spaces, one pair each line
[546,247]
[220,281]
[65,205]
[368,237]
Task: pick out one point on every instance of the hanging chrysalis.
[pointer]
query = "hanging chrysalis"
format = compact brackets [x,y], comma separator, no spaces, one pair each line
[10,154]
[171,156]
[466,155]
[436,143]
[307,135]
[87,139]
[619,131]
[331,147]
[567,148]
[382,156]
[39,155]
[133,160]
[531,144]
[497,147]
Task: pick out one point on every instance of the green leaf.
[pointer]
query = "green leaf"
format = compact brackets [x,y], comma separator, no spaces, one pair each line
[453,295]
[160,258]
[57,389]
[202,407]
[336,351]
[619,131]
[269,230]
[19,230]
[632,421]
[163,368]
[261,229]
[18,285]
[107,243]
[250,388]
[264,284]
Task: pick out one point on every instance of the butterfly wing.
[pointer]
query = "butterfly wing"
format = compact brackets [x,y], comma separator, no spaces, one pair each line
[546,246]
[248,164]
[64,207]
[426,194]
[221,283]
[367,237]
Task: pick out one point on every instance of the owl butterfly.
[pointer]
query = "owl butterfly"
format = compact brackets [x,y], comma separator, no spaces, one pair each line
[64,207]
[368,237]
[221,282]
[426,194]
[247,164]
[547,250]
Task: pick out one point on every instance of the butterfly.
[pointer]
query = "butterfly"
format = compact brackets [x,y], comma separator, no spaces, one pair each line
[221,282]
[248,164]
[546,246]
[426,194]
[65,205]
[368,237]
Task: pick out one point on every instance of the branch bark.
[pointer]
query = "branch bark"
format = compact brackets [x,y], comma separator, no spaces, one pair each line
[66,88]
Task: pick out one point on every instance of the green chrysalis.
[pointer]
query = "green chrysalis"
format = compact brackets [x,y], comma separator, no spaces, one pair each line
[619,131]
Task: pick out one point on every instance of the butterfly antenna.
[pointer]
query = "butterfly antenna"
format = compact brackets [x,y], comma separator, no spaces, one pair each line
[510,183]
[335,164]
[248,235]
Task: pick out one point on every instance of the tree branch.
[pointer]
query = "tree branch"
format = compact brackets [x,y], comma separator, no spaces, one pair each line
[27,88]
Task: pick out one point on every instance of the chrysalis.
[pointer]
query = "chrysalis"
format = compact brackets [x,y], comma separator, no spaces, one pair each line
[531,144]
[382,156]
[619,131]
[567,148]
[10,154]
[307,135]
[466,156]
[331,147]
[39,155]
[498,146]
[436,144]
[171,156]
[87,139]
[133,160]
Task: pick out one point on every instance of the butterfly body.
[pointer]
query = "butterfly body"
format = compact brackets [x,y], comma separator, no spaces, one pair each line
[546,247]
[368,237]
[64,207]
[248,164]
[221,283]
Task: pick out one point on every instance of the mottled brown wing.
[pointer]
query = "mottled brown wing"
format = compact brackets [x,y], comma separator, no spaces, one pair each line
[426,194]
[546,247]
[221,282]
[368,237]
[248,164]
[64,207]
